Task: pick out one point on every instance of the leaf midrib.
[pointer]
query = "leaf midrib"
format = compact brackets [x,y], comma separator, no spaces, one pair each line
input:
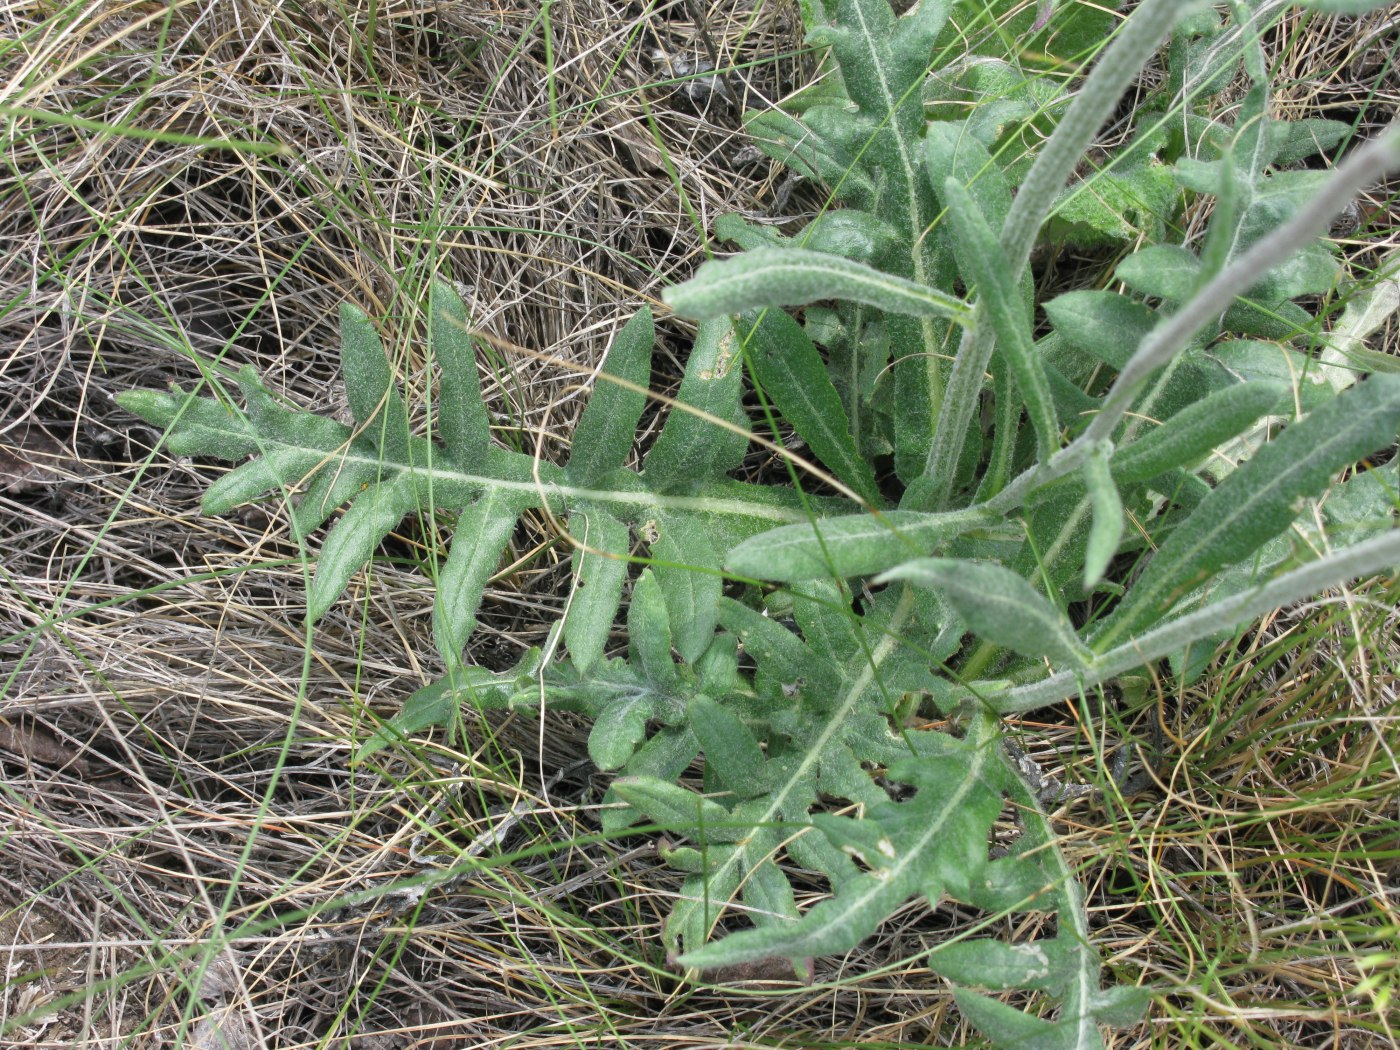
[547,490]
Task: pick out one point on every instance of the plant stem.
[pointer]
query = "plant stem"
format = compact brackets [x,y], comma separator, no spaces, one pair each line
[1358,171]
[1140,36]
[1363,559]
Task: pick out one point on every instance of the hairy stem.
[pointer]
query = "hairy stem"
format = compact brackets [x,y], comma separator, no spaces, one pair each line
[1365,166]
[1365,558]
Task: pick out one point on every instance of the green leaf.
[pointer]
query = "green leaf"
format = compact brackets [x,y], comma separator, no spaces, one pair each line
[1121,1006]
[437,704]
[1196,431]
[1258,501]
[1107,531]
[951,151]
[1306,137]
[600,568]
[1278,320]
[984,264]
[1364,505]
[1166,271]
[768,277]
[999,606]
[1007,1026]
[664,757]
[344,467]
[918,346]
[816,733]
[246,483]
[679,810]
[688,572]
[483,530]
[767,894]
[932,843]
[608,426]
[717,670]
[338,481]
[369,384]
[617,731]
[202,426]
[1115,207]
[691,447]
[822,609]
[649,631]
[1108,325]
[1013,882]
[813,156]
[857,545]
[1344,7]
[849,233]
[986,963]
[730,748]
[351,543]
[778,651]
[462,420]
[881,54]
[738,231]
[1379,554]
[794,377]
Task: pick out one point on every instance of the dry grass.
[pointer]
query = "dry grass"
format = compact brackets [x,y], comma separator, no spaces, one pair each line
[188,858]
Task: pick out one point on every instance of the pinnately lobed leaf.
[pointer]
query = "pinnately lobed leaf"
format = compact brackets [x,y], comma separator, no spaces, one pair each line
[792,374]
[1196,431]
[985,265]
[690,447]
[1344,7]
[792,696]
[687,567]
[369,384]
[600,569]
[933,843]
[483,531]
[1106,532]
[353,540]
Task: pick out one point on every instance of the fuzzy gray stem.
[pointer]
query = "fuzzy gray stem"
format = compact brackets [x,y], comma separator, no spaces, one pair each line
[1363,559]
[1094,103]
[1365,166]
